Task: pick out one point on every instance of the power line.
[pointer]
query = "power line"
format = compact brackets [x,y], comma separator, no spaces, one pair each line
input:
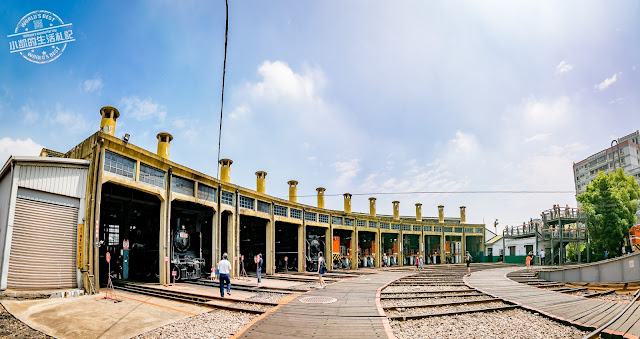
[447,192]
[224,71]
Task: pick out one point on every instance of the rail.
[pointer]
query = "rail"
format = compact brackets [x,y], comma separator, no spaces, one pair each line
[596,333]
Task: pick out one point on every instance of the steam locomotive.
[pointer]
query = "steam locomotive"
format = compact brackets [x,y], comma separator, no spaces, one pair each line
[185,262]
[315,245]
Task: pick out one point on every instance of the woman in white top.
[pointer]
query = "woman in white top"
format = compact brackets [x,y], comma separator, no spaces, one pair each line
[322,268]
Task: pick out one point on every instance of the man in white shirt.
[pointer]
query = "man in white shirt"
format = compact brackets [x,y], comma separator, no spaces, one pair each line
[542,257]
[224,267]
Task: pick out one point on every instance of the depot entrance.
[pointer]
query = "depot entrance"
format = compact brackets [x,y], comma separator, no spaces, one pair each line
[472,244]
[191,235]
[253,240]
[432,249]
[366,249]
[286,246]
[411,248]
[341,256]
[453,249]
[389,243]
[132,218]
[316,239]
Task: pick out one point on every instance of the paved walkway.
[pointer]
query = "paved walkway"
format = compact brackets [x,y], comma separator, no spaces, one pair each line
[355,313]
[574,309]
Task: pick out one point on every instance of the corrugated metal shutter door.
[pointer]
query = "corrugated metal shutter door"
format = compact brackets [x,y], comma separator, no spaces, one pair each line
[43,247]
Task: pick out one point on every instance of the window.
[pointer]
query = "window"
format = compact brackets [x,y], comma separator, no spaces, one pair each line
[264,207]
[437,228]
[468,229]
[310,216]
[280,210]
[384,225]
[246,202]
[512,250]
[207,193]
[448,229]
[336,220]
[348,222]
[114,235]
[361,223]
[323,218]
[395,227]
[416,228]
[527,249]
[182,185]
[458,230]
[151,175]
[226,198]
[120,165]
[479,230]
[373,224]
[427,228]
[296,213]
[406,227]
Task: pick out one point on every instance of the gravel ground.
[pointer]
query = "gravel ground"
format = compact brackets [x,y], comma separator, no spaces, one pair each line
[10,327]
[611,297]
[306,286]
[512,324]
[411,295]
[267,297]
[214,324]
[411,302]
[442,309]
[395,289]
[256,307]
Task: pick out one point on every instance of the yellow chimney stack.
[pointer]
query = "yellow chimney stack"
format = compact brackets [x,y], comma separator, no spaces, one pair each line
[293,190]
[260,182]
[463,214]
[372,206]
[164,139]
[396,210]
[320,196]
[419,212]
[108,123]
[441,213]
[347,202]
[225,170]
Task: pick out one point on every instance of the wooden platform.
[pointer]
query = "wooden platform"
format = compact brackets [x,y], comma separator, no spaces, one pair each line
[354,314]
[573,309]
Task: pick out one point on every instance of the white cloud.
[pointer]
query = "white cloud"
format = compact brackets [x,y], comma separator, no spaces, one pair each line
[545,112]
[538,137]
[347,170]
[280,81]
[607,82]
[92,85]
[17,147]
[463,143]
[29,115]
[239,113]
[563,67]
[71,121]
[143,109]
[617,101]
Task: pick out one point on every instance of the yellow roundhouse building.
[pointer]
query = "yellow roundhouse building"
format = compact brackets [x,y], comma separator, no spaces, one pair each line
[162,221]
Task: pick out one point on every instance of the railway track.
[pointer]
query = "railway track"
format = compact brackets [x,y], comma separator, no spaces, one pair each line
[216,284]
[228,303]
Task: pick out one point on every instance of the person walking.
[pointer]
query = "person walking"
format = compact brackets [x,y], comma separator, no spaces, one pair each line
[322,268]
[259,267]
[384,260]
[224,267]
[467,259]
[529,260]
[542,256]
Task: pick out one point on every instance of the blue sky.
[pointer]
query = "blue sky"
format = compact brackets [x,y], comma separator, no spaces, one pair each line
[359,96]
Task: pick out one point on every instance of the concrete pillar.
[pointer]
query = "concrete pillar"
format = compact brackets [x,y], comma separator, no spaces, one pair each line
[260,182]
[378,251]
[293,190]
[372,206]
[396,210]
[225,170]
[347,202]
[301,250]
[270,259]
[328,255]
[442,248]
[320,196]
[354,251]
[441,213]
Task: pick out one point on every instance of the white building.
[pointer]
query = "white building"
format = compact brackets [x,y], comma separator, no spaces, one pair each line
[625,155]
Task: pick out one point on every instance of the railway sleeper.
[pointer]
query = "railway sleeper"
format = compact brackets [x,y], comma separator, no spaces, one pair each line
[490,299]
[434,296]
[422,316]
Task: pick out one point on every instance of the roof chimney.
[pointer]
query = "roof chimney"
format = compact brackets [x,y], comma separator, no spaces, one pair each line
[225,170]
[396,210]
[164,139]
[441,213]
[347,202]
[320,196]
[419,212]
[293,190]
[108,123]
[463,214]
[372,206]
[260,181]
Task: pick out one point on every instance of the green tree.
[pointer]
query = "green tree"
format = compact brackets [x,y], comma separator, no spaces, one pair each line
[610,201]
